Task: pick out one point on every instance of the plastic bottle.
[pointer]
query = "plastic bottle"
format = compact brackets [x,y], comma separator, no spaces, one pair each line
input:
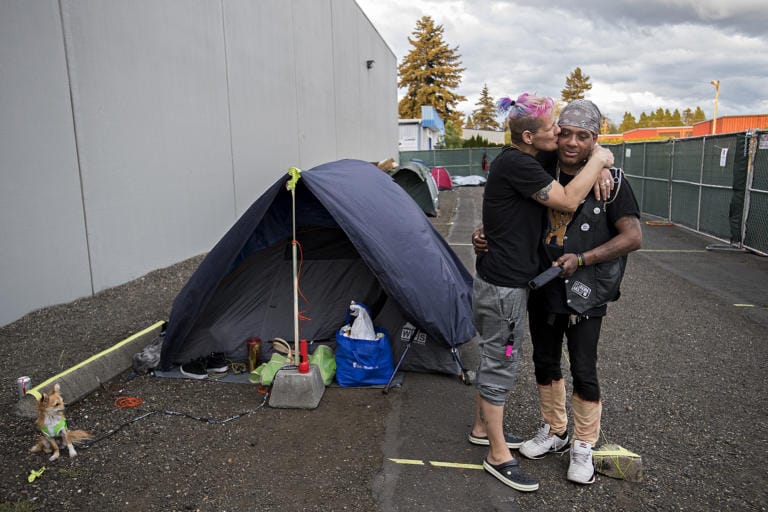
[254,352]
[304,352]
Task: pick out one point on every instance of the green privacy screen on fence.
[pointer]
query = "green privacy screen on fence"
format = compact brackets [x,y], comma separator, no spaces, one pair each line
[717,185]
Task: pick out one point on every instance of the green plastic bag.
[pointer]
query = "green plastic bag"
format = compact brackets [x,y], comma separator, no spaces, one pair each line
[325,360]
[322,357]
[264,374]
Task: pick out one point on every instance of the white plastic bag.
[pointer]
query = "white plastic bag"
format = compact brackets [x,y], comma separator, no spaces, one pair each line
[362,325]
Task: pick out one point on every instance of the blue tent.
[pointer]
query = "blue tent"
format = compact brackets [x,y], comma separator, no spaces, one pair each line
[361,237]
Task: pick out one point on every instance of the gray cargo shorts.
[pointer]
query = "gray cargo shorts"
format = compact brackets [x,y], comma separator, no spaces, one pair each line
[499,315]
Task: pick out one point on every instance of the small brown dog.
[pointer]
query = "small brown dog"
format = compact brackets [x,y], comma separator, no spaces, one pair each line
[387,165]
[53,425]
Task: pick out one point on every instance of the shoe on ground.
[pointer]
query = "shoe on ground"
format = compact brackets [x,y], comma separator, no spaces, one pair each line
[195,369]
[513,442]
[216,363]
[581,469]
[510,474]
[545,442]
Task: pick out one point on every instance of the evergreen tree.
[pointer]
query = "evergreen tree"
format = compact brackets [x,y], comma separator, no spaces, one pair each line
[628,123]
[676,119]
[476,141]
[469,123]
[609,126]
[484,117]
[576,84]
[429,73]
[452,136]
[662,117]
[688,117]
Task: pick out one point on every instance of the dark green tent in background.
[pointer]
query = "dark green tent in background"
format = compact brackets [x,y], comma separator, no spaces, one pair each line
[416,179]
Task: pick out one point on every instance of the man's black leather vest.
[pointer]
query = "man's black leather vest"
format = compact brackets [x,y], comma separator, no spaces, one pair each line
[592,285]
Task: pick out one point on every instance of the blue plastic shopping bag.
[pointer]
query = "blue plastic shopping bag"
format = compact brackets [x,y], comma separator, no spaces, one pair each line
[362,362]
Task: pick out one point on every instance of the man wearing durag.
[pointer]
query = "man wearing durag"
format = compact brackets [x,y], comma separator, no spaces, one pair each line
[581,114]
[590,245]
[516,195]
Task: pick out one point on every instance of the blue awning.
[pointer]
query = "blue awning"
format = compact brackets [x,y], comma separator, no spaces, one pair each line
[430,119]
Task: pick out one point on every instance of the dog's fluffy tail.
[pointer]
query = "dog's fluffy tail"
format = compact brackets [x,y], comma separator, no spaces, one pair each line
[79,436]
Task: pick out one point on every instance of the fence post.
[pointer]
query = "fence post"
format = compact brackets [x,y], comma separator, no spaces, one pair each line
[701,179]
[645,176]
[751,141]
[623,154]
[669,181]
[701,186]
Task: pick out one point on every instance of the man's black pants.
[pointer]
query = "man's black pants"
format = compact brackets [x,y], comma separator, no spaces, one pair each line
[547,333]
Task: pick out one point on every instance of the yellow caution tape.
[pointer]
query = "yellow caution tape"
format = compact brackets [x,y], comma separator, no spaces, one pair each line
[295,174]
[456,465]
[408,461]
[35,474]
[416,462]
[621,452]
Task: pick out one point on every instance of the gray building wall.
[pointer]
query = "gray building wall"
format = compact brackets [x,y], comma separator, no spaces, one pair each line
[135,133]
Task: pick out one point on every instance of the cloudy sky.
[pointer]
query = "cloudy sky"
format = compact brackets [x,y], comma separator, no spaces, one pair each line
[640,54]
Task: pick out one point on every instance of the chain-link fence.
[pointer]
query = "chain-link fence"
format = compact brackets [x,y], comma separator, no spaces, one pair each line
[756,201]
[687,181]
[716,185]
[459,162]
[701,183]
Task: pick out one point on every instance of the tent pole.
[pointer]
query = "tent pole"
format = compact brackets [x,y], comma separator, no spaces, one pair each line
[414,332]
[291,185]
[295,289]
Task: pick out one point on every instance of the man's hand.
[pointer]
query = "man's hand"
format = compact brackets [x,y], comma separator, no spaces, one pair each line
[628,239]
[479,243]
[569,262]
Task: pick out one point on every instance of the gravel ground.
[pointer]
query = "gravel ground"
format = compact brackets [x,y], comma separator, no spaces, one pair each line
[169,462]
[682,377]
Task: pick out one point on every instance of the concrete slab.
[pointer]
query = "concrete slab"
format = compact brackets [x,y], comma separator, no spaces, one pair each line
[294,390]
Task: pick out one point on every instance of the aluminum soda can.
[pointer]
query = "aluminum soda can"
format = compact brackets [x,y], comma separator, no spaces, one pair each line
[23,384]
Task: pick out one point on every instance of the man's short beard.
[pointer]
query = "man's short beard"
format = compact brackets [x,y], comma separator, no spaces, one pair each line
[571,161]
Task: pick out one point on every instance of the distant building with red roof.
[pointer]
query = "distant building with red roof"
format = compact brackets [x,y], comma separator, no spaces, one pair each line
[730,124]
[725,124]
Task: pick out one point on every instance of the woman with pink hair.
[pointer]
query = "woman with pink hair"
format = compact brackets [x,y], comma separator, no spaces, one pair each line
[516,193]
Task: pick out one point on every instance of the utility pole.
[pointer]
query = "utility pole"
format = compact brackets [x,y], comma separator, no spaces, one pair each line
[716,83]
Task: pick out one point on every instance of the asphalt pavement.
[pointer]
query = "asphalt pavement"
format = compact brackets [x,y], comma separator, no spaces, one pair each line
[682,363]
[682,360]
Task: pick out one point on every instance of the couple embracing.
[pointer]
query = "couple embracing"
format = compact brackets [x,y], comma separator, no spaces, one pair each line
[538,212]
